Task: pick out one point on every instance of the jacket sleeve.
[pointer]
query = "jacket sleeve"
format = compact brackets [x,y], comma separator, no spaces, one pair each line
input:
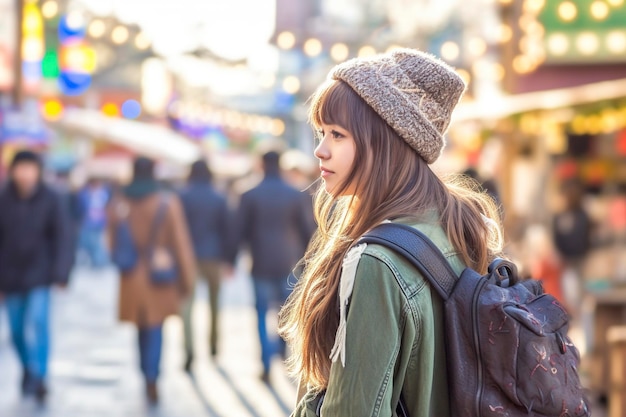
[182,245]
[62,241]
[241,226]
[374,330]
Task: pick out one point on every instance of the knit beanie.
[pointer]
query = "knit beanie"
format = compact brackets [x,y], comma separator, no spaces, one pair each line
[26,156]
[414,92]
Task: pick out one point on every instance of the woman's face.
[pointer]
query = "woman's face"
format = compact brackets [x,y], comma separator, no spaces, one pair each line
[336,152]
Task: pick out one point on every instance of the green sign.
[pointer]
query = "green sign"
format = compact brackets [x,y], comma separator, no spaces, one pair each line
[584,31]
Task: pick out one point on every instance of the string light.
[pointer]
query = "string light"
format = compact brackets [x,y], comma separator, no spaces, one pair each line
[599,10]
[587,43]
[49,9]
[96,28]
[313,47]
[286,40]
[616,42]
[558,44]
[568,11]
[339,52]
[119,35]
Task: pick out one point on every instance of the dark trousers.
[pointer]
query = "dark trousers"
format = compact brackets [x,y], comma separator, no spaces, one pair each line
[150,343]
[269,293]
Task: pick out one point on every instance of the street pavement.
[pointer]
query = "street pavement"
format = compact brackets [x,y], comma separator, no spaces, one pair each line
[94,360]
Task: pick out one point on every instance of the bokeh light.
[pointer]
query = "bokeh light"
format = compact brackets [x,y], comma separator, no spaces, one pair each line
[291,84]
[131,109]
[339,52]
[50,9]
[567,11]
[286,40]
[450,51]
[110,110]
[97,28]
[599,10]
[366,51]
[312,47]
[119,35]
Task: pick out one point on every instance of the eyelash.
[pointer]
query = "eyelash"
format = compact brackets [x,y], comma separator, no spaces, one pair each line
[334,133]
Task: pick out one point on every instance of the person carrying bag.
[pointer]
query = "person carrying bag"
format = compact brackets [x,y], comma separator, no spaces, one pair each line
[151,247]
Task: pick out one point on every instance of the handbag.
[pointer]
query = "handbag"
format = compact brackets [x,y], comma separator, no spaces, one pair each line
[163,268]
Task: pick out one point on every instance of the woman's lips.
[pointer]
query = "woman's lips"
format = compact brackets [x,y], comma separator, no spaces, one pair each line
[325,172]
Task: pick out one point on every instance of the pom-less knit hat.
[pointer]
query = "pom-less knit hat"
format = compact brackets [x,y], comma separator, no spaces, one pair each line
[412,91]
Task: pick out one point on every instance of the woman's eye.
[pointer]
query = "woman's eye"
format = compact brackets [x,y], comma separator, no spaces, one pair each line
[335,134]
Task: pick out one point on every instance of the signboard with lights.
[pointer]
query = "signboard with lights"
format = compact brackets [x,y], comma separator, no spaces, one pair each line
[584,31]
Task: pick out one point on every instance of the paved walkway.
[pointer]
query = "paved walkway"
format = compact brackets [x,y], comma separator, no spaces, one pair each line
[94,371]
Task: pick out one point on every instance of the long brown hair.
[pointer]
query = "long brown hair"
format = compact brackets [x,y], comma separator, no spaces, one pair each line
[392,182]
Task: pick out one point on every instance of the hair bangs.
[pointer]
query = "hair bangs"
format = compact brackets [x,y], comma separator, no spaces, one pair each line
[331,105]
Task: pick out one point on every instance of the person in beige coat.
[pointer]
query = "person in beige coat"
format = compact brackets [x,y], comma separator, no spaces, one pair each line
[141,301]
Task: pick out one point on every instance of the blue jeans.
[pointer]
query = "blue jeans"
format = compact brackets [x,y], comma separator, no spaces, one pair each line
[150,342]
[29,322]
[92,242]
[269,293]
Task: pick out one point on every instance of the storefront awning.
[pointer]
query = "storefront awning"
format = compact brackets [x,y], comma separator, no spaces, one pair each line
[143,138]
[504,106]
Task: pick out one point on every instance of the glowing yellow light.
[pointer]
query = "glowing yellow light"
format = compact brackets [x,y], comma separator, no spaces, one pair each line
[52,110]
[96,28]
[599,10]
[450,51]
[291,84]
[141,41]
[278,127]
[536,29]
[568,11]
[285,40]
[119,35]
[587,43]
[366,51]
[616,3]
[522,64]
[49,9]
[505,33]
[506,1]
[32,49]
[79,57]
[477,46]
[616,42]
[32,25]
[110,110]
[558,44]
[312,47]
[339,52]
[534,6]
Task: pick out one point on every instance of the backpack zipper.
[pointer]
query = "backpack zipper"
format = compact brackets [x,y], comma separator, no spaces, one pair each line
[479,392]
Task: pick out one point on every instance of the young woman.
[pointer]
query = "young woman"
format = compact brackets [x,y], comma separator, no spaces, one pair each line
[380,123]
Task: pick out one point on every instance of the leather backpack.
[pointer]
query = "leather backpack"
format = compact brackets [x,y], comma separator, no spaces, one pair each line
[507,349]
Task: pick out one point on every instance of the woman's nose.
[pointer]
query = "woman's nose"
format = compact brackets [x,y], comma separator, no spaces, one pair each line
[321,151]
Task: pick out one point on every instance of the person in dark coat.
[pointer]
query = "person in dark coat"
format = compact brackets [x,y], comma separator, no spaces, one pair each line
[206,212]
[141,301]
[36,253]
[275,221]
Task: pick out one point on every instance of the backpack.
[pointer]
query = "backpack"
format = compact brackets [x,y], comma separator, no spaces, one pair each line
[514,357]
[125,255]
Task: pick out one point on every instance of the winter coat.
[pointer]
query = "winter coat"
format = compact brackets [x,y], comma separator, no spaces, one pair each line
[206,212]
[36,243]
[141,301]
[276,222]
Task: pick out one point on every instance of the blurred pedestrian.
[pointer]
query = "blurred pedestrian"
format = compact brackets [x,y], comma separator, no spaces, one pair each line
[275,222]
[364,324]
[142,300]
[206,212]
[35,254]
[572,228]
[93,199]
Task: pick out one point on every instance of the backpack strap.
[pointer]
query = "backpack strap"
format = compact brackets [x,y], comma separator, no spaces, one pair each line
[156,223]
[417,249]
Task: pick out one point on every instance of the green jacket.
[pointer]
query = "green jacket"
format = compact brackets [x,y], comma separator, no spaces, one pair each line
[394,343]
